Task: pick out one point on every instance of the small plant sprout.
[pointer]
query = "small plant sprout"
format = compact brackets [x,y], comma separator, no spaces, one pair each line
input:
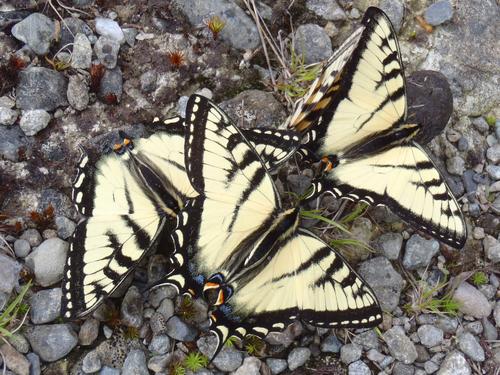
[479,278]
[186,309]
[9,322]
[215,24]
[254,345]
[231,341]
[424,299]
[491,120]
[176,58]
[195,361]
[301,76]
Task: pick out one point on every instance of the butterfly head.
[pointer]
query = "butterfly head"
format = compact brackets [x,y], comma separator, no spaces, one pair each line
[329,162]
[125,144]
[215,291]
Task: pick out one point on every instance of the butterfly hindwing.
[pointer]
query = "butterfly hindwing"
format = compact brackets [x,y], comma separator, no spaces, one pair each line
[406,180]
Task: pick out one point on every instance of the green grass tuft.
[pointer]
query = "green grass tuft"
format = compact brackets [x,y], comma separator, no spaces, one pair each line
[254,345]
[358,211]
[425,300]
[302,75]
[195,361]
[491,120]
[479,278]
[15,307]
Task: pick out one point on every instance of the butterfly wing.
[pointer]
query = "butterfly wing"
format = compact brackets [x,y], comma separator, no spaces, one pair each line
[365,99]
[306,280]
[405,179]
[274,146]
[240,197]
[123,222]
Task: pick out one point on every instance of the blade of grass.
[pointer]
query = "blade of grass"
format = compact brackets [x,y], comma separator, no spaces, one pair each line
[313,214]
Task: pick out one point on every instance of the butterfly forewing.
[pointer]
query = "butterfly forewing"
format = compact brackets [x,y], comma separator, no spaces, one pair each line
[240,195]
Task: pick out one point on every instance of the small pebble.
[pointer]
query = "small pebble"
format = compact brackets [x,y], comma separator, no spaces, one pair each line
[109,28]
[22,248]
[359,368]
[350,353]
[429,335]
[439,12]
[135,363]
[471,347]
[34,120]
[8,116]
[297,357]
[91,362]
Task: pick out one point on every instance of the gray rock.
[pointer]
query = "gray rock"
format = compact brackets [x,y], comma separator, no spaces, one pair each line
[250,366]
[148,81]
[130,34]
[91,362]
[14,360]
[472,301]
[239,30]
[429,335]
[8,116]
[419,252]
[106,50]
[48,273]
[111,84]
[368,339]
[22,248]
[359,368]
[439,12]
[78,93]
[37,31]
[490,332]
[255,108]
[276,365]
[447,325]
[228,359]
[34,363]
[469,344]
[52,341]
[327,9]
[32,121]
[298,183]
[297,357]
[70,28]
[158,324]
[384,280]
[455,165]
[361,230]
[431,367]
[402,369]
[160,344]
[89,331]
[135,363]
[454,364]
[493,153]
[109,29]
[12,140]
[65,227]
[469,183]
[19,342]
[375,356]
[463,144]
[331,344]
[312,42]
[400,346]
[493,171]
[166,308]
[9,274]
[45,305]
[81,58]
[390,244]
[492,248]
[132,308]
[32,236]
[157,295]
[158,363]
[109,371]
[179,330]
[350,353]
[41,88]
[395,11]
[481,125]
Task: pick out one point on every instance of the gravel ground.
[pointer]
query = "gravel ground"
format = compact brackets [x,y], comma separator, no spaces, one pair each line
[72,74]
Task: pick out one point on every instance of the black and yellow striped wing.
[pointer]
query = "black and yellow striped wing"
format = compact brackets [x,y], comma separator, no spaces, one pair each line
[360,94]
[406,180]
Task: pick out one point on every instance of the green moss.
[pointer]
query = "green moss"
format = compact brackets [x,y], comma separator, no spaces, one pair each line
[491,120]
[195,361]
[479,278]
